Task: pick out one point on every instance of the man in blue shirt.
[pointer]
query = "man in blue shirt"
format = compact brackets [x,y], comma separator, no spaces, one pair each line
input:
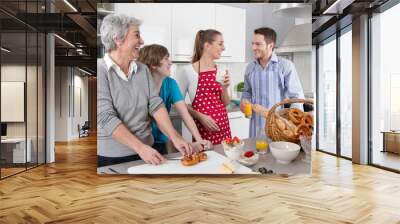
[269,79]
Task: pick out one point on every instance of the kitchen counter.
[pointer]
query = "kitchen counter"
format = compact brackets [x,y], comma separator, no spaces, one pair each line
[233,108]
[297,166]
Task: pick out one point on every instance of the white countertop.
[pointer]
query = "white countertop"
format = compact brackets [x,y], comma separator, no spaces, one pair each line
[297,166]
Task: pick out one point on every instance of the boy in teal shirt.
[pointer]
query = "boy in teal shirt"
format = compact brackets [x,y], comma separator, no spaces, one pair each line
[156,57]
[170,94]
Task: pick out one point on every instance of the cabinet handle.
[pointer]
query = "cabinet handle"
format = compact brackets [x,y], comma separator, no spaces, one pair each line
[183,55]
[223,56]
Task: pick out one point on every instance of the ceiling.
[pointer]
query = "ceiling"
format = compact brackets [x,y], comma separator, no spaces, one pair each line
[331,15]
[76,25]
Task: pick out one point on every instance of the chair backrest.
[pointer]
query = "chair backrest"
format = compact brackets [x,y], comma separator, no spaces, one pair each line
[86,125]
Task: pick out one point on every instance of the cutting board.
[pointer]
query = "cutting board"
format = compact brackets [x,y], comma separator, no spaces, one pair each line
[212,165]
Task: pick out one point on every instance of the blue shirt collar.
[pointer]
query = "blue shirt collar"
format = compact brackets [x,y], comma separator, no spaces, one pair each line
[274,59]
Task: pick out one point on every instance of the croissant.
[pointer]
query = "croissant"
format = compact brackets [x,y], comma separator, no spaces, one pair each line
[307,119]
[296,115]
[281,124]
[304,130]
[190,160]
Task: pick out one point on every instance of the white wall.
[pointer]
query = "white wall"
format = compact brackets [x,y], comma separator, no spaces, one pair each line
[61,103]
[33,126]
[314,70]
[84,81]
[80,83]
[68,81]
[302,61]
[262,15]
[15,72]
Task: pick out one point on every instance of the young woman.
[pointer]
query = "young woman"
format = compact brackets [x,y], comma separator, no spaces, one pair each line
[209,98]
[156,57]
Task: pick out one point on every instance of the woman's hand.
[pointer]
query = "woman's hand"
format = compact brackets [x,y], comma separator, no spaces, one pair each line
[207,145]
[150,155]
[226,80]
[196,146]
[201,145]
[208,122]
[182,146]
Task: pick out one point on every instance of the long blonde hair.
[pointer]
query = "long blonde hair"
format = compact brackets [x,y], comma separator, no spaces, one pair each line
[202,37]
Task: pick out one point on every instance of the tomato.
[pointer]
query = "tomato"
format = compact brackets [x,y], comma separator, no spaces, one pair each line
[249,154]
[236,139]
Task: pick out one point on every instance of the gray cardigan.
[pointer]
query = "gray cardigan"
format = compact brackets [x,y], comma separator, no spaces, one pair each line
[129,102]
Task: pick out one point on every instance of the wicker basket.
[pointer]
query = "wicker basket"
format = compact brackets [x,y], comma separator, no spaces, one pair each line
[273,117]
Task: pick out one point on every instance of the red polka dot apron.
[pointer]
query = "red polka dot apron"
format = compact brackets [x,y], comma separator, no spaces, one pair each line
[208,101]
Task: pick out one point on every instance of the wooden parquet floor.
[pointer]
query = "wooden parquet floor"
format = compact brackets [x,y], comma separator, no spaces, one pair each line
[70,191]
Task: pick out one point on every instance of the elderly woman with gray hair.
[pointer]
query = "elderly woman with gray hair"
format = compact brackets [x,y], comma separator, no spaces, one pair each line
[126,98]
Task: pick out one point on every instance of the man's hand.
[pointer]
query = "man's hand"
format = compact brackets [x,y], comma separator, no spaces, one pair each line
[150,155]
[242,106]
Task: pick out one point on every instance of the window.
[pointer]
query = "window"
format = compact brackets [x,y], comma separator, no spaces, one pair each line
[327,97]
[22,67]
[385,89]
[346,93]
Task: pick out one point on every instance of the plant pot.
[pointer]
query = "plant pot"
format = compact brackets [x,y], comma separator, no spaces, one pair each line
[239,95]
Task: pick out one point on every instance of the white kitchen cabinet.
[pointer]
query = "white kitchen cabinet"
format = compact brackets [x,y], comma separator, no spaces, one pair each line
[231,22]
[175,26]
[187,19]
[239,124]
[156,21]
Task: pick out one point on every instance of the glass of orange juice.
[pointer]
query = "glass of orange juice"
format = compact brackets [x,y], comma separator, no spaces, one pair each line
[261,146]
[247,109]
[261,141]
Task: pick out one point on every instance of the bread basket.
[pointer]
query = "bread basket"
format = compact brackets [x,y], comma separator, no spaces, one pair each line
[282,125]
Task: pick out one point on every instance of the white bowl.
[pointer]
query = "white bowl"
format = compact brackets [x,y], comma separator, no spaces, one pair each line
[284,152]
[249,161]
[233,152]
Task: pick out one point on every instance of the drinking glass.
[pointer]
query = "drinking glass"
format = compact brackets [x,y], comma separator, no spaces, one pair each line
[305,142]
[261,141]
[247,108]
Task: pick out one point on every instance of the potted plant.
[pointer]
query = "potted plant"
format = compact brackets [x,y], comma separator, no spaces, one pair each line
[239,88]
